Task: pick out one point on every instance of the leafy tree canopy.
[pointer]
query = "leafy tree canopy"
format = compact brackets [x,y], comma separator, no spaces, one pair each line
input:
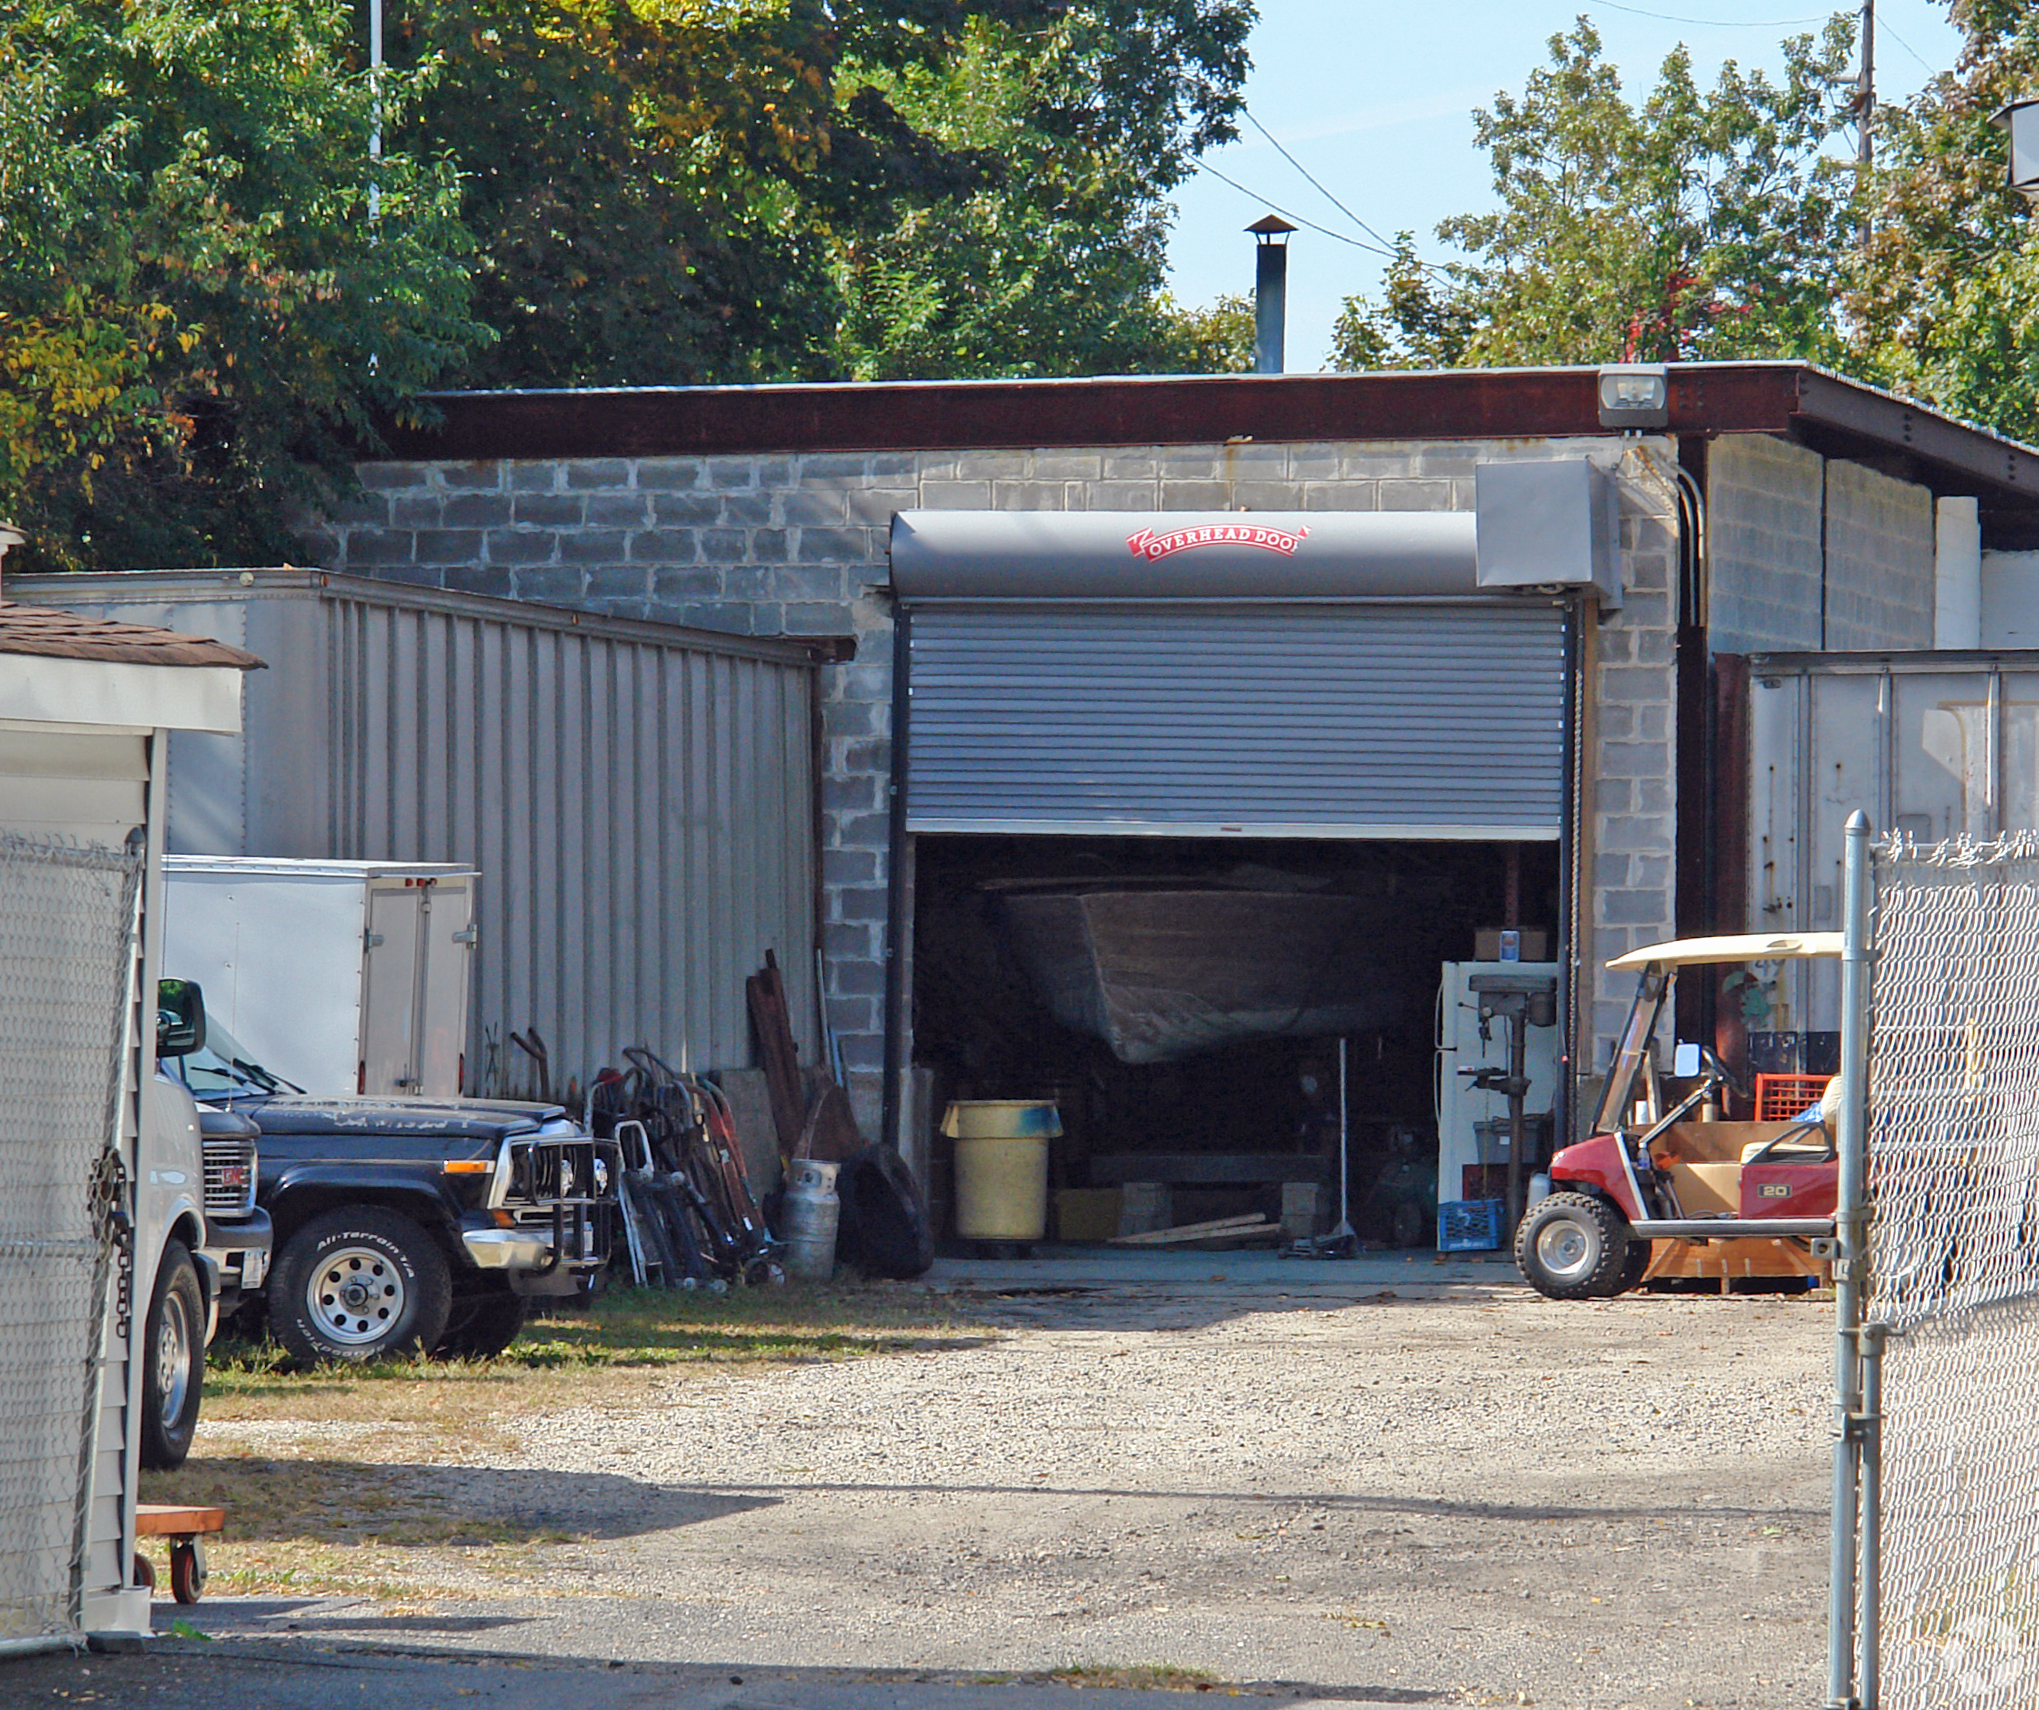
[671,191]
[1702,223]
[209,293]
[197,314]
[1944,304]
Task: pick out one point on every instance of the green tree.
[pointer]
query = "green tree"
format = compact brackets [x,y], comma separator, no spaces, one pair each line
[199,320]
[1049,258]
[1944,304]
[1215,339]
[704,190]
[1698,224]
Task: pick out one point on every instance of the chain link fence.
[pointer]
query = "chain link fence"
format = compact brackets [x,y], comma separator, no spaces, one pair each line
[67,945]
[1951,1300]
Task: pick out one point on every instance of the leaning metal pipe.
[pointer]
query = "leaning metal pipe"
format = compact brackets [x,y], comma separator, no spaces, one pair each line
[1842,1678]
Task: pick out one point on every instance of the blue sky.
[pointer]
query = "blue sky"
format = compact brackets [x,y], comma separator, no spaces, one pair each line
[1376,101]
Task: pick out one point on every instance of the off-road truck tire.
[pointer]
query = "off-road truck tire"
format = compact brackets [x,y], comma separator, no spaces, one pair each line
[482,1327]
[356,1284]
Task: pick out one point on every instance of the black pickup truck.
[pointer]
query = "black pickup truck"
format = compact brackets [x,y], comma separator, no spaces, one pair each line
[408,1223]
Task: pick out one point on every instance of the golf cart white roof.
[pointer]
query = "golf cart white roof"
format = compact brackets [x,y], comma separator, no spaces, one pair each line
[1741,947]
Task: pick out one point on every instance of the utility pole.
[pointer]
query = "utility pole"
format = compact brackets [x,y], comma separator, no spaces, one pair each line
[1865,113]
[375,91]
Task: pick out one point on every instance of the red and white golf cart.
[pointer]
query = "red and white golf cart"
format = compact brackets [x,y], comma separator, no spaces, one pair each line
[1655,1174]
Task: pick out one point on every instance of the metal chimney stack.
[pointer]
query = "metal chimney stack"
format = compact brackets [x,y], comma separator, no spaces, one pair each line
[1270,291]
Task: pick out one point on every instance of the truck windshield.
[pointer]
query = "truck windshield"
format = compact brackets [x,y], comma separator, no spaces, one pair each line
[222,1067]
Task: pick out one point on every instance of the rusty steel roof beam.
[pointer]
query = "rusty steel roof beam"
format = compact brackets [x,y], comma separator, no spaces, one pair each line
[1838,416]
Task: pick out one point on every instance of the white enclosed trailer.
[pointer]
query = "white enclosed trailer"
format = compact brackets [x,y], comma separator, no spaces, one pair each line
[343,976]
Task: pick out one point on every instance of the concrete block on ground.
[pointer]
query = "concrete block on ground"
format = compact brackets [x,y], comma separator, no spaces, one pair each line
[1302,1209]
[1145,1207]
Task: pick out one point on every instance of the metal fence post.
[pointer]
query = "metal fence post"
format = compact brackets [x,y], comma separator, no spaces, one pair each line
[1843,1680]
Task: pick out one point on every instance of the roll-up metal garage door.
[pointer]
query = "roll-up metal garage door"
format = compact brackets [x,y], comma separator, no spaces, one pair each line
[1389,719]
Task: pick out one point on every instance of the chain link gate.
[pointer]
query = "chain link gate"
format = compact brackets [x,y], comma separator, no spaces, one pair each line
[1937,1362]
[67,955]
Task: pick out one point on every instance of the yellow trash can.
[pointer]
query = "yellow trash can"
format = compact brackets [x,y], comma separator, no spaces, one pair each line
[1002,1166]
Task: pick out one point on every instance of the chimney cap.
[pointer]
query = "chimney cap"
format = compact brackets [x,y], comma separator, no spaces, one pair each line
[1269,227]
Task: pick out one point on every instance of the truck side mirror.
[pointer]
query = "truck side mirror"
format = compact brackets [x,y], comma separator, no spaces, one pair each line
[180,1018]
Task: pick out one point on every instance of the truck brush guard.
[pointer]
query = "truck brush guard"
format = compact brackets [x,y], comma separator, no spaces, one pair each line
[562,1186]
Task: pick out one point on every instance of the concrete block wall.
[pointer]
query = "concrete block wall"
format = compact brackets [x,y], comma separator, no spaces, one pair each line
[797,544]
[1628,834]
[1807,553]
[1880,552]
[1765,546]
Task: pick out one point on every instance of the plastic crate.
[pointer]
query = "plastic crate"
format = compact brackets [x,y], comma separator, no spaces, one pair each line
[1470,1225]
[1784,1098]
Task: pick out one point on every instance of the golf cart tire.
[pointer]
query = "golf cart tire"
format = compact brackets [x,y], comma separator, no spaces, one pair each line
[405,1288]
[1572,1246]
[1634,1265]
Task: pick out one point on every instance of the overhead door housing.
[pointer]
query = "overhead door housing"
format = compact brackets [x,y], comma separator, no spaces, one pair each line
[1401,718]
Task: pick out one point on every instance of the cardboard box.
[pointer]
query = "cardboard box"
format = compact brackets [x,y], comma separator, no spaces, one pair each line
[1086,1214]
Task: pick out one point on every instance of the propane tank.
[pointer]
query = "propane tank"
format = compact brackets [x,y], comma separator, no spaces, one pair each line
[812,1211]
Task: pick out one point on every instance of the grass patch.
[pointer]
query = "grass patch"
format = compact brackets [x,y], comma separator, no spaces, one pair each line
[337,1481]
[612,1351]
[1152,1677]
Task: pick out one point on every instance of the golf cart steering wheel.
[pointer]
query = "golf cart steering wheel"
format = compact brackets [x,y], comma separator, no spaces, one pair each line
[1719,1072]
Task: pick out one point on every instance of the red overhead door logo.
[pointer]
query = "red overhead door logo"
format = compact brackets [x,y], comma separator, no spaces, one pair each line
[1149,545]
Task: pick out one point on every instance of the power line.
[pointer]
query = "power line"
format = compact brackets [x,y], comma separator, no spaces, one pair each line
[1290,213]
[1311,180]
[1883,24]
[1392,251]
[1711,23]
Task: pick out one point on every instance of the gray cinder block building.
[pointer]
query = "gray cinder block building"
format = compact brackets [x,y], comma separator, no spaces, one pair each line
[1467,642]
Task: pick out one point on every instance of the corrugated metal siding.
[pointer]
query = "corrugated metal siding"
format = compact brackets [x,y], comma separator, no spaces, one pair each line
[1412,719]
[1933,744]
[641,815]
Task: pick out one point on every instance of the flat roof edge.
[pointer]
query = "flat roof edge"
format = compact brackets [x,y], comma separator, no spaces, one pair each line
[283,582]
[1779,397]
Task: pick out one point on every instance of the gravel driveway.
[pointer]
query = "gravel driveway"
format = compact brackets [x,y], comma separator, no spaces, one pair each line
[1487,1499]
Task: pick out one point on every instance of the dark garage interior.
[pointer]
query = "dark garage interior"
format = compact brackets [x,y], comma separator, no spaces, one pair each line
[1180,1001]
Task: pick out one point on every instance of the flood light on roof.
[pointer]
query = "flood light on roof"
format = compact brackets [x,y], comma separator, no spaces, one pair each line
[1635,395]
[2021,120]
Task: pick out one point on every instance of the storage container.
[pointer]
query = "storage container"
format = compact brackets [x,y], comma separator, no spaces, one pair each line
[1470,1225]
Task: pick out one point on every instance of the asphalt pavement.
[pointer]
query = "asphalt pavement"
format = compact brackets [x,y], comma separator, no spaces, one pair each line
[282,1674]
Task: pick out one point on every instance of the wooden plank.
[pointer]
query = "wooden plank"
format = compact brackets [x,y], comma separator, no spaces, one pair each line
[167,1520]
[778,1056]
[1215,1169]
[1195,1231]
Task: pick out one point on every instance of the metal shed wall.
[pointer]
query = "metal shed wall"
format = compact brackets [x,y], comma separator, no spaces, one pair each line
[1933,744]
[640,799]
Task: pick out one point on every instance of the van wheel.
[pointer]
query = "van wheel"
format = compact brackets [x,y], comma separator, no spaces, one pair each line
[173,1361]
[355,1284]
[1572,1246]
[483,1328]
